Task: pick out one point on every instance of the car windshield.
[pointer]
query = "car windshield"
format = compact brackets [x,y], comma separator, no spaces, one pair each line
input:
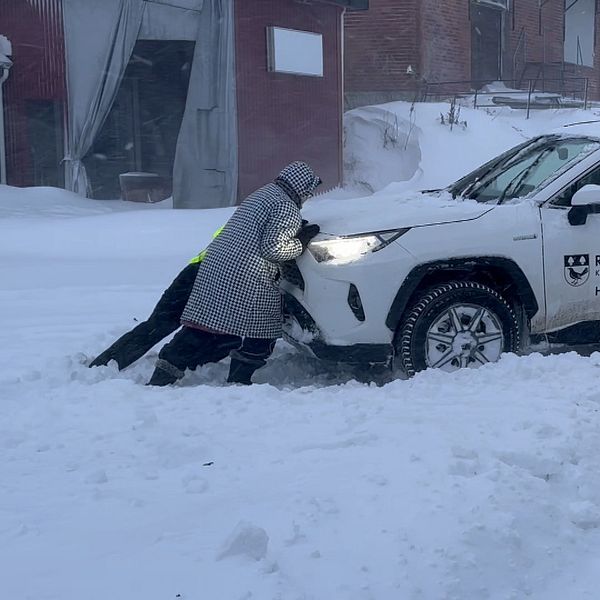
[524,169]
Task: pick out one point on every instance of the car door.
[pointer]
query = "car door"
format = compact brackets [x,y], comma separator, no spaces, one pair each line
[571,260]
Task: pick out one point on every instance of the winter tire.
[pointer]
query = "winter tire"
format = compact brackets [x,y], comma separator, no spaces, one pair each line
[456,325]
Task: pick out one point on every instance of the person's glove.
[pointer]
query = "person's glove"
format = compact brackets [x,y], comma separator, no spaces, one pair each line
[307,233]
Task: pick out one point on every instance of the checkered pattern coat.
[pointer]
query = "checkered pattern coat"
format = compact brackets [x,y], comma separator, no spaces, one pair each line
[236,290]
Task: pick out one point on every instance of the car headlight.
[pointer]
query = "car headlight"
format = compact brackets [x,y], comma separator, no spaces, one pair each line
[347,249]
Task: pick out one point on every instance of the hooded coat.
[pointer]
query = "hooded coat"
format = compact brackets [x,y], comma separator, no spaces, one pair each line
[236,290]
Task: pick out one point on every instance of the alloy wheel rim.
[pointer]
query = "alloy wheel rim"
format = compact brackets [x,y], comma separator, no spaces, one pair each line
[464,335]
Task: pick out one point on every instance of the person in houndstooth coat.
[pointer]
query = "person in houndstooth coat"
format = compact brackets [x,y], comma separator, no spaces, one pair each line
[235,294]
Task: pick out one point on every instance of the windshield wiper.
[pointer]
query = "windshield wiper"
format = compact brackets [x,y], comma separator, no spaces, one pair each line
[520,177]
[466,191]
[505,162]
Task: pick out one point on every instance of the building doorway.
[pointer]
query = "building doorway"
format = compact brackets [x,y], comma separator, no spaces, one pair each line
[141,130]
[486,43]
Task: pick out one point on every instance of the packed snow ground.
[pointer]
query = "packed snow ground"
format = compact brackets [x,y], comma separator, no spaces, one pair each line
[476,485]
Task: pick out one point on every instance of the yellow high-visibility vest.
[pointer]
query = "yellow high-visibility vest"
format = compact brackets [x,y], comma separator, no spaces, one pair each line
[200,257]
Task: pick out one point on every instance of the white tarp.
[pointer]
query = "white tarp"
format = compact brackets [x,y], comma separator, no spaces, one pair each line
[164,20]
[100,38]
[205,172]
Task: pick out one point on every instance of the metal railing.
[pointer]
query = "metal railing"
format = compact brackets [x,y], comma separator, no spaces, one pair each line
[528,94]
[520,46]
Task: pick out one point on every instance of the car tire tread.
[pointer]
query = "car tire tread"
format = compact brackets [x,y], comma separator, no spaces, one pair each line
[405,341]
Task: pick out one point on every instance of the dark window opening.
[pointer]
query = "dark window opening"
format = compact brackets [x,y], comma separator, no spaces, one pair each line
[140,132]
[565,197]
[45,138]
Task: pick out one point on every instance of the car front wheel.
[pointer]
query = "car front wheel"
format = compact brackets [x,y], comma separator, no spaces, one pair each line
[456,325]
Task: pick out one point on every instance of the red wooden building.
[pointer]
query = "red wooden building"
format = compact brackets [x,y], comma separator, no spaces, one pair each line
[213,96]
[34,92]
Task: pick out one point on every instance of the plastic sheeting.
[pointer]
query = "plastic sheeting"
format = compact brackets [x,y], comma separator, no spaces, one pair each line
[171,21]
[205,172]
[99,39]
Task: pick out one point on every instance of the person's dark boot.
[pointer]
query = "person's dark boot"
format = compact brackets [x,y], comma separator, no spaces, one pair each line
[164,376]
[242,368]
[240,372]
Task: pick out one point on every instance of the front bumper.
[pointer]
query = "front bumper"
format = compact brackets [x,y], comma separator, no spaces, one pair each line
[340,310]
[300,330]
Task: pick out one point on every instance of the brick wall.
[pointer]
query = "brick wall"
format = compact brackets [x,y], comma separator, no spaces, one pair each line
[593,74]
[532,35]
[380,44]
[445,40]
[541,35]
[284,117]
[434,36]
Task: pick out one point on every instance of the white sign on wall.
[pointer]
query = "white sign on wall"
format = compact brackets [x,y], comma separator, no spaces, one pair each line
[295,52]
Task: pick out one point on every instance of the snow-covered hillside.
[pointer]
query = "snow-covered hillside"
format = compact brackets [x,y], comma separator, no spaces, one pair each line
[481,484]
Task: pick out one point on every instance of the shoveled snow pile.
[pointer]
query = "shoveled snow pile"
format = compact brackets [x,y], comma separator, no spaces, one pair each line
[380,147]
[481,484]
[408,146]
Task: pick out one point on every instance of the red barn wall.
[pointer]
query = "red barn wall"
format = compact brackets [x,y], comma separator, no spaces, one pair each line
[36,32]
[284,117]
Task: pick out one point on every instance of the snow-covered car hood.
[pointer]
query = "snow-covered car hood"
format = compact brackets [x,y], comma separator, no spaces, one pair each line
[390,211]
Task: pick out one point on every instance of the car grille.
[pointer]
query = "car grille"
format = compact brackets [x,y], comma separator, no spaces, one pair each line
[291,273]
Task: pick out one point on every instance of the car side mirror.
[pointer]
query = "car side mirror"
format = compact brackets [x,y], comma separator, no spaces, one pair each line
[586,196]
[577,215]
[584,201]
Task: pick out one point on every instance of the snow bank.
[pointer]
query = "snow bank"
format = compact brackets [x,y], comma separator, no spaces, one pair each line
[472,485]
[380,147]
[435,154]
[480,484]
[58,238]
[41,202]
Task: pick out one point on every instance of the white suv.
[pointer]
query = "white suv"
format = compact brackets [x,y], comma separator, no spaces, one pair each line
[453,278]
